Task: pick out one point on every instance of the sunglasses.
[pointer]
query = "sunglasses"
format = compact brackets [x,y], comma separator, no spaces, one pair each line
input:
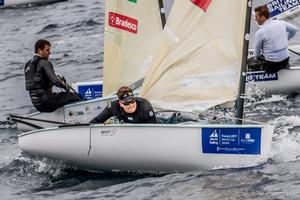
[128,103]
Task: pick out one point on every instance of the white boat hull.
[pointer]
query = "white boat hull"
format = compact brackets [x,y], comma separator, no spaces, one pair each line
[77,113]
[9,3]
[283,82]
[158,148]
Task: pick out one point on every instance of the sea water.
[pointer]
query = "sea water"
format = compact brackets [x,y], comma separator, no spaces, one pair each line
[75,29]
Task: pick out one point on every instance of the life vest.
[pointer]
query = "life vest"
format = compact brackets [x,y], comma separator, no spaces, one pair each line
[35,78]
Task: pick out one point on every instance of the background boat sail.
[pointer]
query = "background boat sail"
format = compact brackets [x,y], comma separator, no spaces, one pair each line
[158,147]
[285,81]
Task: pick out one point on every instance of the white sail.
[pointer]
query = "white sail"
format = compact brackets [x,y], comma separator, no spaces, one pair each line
[132,29]
[198,62]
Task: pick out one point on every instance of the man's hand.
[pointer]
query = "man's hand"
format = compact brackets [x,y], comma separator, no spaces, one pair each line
[63,80]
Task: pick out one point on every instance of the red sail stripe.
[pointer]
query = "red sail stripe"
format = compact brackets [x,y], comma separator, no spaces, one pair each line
[203,4]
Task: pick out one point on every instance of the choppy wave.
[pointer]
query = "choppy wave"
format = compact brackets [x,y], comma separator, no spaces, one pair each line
[262,182]
[44,177]
[49,28]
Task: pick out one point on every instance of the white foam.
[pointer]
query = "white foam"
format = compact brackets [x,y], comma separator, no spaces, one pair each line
[286,139]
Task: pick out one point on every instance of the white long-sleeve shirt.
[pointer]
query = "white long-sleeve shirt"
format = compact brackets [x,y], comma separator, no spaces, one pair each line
[271,40]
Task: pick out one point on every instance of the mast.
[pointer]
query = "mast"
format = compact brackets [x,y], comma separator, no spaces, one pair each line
[240,100]
[162,13]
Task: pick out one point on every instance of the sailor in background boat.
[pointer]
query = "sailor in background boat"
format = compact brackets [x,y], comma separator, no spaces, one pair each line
[271,42]
[128,109]
[40,78]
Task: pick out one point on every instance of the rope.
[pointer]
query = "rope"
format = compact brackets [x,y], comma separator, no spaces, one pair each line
[247,120]
[90,142]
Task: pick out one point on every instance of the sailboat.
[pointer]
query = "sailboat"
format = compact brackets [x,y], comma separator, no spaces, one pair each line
[11,3]
[127,61]
[285,81]
[192,50]
[131,34]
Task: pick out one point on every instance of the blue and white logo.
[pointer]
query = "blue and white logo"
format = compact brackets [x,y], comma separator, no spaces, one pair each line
[231,140]
[1,2]
[214,138]
[90,91]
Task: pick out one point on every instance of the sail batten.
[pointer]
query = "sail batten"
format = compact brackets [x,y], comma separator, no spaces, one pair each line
[198,62]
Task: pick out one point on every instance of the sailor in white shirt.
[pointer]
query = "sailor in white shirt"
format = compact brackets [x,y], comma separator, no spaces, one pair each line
[271,42]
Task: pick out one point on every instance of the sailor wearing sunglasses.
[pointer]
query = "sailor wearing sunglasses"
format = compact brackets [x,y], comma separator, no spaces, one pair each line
[128,109]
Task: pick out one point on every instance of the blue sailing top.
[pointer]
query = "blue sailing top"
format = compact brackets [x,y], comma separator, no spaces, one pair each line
[271,40]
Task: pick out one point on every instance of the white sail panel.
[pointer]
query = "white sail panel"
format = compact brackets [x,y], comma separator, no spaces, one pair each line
[198,62]
[132,29]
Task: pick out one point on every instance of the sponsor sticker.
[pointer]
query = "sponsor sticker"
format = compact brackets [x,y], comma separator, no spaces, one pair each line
[123,22]
[261,76]
[133,1]
[1,2]
[108,132]
[90,91]
[277,7]
[75,113]
[231,140]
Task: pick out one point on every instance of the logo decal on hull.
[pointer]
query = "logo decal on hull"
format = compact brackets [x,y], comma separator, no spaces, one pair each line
[108,132]
[231,140]
[261,76]
[90,91]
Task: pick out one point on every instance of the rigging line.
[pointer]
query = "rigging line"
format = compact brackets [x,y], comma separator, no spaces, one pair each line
[246,120]
[294,52]
[15,117]
[27,123]
[90,142]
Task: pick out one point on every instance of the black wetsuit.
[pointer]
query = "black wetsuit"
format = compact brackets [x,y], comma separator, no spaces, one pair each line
[144,113]
[39,79]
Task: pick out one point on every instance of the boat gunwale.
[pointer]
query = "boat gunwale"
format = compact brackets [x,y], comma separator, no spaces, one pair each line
[194,125]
